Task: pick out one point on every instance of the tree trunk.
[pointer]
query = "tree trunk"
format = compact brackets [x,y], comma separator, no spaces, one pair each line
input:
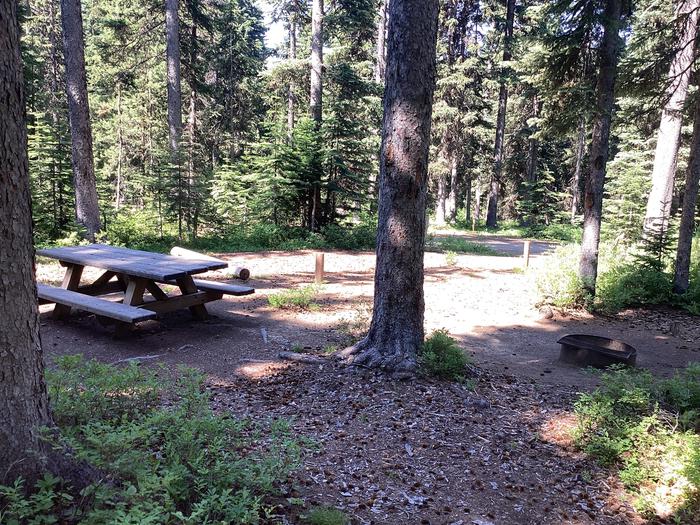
[576,180]
[316,96]
[451,204]
[533,146]
[658,209]
[120,149]
[396,332]
[290,89]
[86,205]
[24,410]
[192,187]
[492,214]
[468,202]
[380,63]
[316,106]
[681,277]
[172,56]
[477,202]
[595,181]
[440,211]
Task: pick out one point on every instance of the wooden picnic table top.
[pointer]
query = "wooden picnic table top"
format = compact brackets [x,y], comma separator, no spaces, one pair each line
[137,263]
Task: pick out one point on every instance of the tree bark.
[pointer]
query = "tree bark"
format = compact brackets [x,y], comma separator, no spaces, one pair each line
[681,276]
[316,107]
[172,57]
[595,181]
[468,202]
[658,210]
[396,331]
[533,145]
[172,52]
[477,202]
[576,180]
[440,208]
[451,203]
[86,204]
[380,61]
[492,214]
[316,96]
[24,410]
[290,89]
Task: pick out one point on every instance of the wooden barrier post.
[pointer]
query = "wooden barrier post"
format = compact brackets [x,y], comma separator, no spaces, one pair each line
[526,254]
[319,267]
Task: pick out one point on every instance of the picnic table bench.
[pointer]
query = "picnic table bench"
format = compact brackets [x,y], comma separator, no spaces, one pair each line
[129,290]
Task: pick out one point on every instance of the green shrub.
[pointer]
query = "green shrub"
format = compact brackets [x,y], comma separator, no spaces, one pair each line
[168,462]
[326,516]
[300,298]
[441,357]
[558,281]
[632,422]
[624,280]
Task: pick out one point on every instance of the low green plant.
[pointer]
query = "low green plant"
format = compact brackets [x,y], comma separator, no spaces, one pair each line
[558,281]
[326,516]
[647,428]
[626,278]
[441,357]
[451,258]
[165,457]
[456,244]
[295,298]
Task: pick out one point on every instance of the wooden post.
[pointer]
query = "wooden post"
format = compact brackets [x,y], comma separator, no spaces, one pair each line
[526,254]
[319,268]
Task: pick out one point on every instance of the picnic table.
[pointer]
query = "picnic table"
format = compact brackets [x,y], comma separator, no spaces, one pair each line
[130,288]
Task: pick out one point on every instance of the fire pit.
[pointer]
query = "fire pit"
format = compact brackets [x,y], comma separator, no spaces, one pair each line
[593,350]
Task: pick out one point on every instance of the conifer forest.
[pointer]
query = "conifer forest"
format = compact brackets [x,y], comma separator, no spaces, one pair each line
[350,262]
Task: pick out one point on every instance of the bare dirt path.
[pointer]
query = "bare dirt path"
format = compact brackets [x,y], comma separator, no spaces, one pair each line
[420,452]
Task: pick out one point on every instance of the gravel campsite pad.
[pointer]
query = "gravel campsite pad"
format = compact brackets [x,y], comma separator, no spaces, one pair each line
[496,450]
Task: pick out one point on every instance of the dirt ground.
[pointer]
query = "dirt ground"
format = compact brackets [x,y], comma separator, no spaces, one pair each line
[407,452]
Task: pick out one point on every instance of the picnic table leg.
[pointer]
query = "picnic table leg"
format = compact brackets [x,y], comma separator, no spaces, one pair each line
[133,296]
[187,286]
[71,281]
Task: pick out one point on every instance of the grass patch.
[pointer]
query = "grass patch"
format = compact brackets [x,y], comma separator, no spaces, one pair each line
[441,357]
[302,298]
[648,430]
[165,456]
[455,244]
[326,516]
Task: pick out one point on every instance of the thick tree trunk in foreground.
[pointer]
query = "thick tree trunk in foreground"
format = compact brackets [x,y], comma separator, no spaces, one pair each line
[380,61]
[595,180]
[316,106]
[690,198]
[396,332]
[576,179]
[86,205]
[24,409]
[658,209]
[25,405]
[492,213]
